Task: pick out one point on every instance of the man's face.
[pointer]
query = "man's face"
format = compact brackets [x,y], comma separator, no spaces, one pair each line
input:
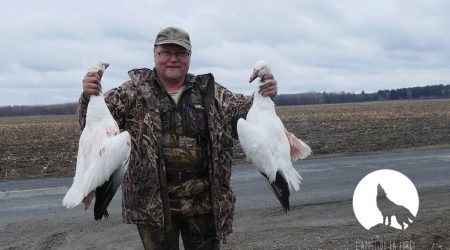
[171,62]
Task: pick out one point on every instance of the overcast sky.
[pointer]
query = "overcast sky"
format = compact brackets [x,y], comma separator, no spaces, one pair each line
[46,46]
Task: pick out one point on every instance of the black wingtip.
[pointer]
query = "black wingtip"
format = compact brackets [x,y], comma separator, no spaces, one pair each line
[99,214]
[105,193]
[103,197]
[281,190]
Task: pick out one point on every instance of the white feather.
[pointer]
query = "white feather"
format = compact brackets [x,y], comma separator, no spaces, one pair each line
[263,138]
[102,149]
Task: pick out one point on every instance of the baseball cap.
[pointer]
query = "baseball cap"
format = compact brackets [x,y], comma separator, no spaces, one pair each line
[173,35]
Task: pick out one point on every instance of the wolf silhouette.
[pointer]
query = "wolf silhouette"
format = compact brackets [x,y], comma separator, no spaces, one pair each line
[389,209]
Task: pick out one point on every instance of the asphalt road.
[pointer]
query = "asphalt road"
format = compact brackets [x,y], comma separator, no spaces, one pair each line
[32,216]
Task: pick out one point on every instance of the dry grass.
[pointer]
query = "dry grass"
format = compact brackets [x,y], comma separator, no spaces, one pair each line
[47,145]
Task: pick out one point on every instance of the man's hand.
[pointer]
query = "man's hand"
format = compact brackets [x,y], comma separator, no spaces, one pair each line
[91,84]
[269,88]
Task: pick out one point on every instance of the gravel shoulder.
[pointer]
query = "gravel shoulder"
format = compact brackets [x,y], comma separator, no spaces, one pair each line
[314,226]
[308,226]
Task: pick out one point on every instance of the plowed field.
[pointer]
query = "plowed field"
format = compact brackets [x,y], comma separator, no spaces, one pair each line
[43,146]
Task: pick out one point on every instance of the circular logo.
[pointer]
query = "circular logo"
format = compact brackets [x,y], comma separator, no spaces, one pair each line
[385,198]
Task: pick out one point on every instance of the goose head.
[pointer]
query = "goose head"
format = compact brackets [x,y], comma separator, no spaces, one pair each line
[98,65]
[261,68]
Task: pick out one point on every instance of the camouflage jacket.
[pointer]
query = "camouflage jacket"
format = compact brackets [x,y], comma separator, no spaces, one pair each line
[136,109]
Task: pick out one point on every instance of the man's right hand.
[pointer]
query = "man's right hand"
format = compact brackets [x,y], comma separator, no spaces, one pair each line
[91,84]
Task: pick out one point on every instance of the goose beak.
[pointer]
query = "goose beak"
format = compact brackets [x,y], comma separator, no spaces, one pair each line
[103,70]
[254,75]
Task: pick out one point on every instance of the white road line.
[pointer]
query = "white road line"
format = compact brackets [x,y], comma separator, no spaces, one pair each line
[29,190]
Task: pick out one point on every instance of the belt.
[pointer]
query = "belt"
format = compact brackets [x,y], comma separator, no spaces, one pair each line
[179,175]
[189,189]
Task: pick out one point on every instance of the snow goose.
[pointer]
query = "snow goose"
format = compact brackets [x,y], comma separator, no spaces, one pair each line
[268,145]
[103,156]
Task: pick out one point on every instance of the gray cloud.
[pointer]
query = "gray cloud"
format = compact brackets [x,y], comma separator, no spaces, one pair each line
[312,45]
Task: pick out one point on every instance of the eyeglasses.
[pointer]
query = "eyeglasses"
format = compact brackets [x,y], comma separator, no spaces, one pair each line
[178,54]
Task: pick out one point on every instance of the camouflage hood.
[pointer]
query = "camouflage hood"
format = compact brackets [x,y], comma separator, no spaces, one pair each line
[136,108]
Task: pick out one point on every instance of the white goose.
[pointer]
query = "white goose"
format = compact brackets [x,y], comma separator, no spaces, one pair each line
[103,156]
[268,145]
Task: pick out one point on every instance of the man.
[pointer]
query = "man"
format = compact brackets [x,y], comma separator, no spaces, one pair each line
[182,128]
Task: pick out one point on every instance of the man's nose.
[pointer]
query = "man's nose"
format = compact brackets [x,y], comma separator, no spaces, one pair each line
[173,57]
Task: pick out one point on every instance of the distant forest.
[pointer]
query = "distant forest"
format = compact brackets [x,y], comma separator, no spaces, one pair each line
[428,92]
[54,109]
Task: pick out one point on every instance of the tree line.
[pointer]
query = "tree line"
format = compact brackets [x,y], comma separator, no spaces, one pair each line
[426,92]
[54,109]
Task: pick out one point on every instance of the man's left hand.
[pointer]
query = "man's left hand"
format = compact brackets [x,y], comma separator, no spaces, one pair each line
[270,88]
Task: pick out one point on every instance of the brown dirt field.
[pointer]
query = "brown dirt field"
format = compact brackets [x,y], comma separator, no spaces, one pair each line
[46,146]
[38,146]
[364,127]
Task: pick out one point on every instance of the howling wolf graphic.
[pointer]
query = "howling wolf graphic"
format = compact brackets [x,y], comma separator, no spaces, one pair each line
[389,209]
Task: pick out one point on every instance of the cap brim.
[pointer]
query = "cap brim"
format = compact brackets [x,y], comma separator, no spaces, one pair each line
[184,45]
